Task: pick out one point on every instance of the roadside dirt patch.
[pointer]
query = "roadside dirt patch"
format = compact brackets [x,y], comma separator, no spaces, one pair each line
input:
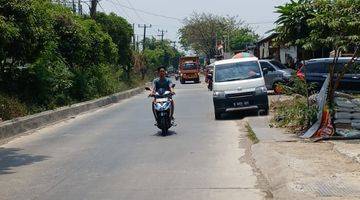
[245,142]
[307,171]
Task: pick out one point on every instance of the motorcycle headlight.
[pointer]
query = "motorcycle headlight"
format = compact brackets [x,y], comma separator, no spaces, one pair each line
[219,94]
[158,106]
[166,106]
[260,90]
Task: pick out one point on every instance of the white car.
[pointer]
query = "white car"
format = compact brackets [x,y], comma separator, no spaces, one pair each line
[238,84]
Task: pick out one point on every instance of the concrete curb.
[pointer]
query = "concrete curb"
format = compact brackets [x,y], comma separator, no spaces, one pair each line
[349,150]
[23,124]
[262,130]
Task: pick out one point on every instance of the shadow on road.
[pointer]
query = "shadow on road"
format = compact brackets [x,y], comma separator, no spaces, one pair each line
[10,157]
[170,133]
[238,115]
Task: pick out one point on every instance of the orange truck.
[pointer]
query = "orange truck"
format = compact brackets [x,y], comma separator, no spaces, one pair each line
[189,69]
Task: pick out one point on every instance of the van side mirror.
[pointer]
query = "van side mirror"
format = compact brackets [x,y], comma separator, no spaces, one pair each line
[147,88]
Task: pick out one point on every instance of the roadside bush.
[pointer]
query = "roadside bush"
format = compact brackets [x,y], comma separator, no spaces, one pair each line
[11,108]
[53,80]
[297,86]
[294,114]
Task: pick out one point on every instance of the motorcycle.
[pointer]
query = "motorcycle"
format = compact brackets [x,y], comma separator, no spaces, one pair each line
[210,81]
[162,109]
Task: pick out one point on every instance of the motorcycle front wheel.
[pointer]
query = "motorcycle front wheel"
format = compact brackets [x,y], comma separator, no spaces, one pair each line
[164,126]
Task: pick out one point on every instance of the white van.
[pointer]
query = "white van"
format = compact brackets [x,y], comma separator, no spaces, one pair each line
[239,85]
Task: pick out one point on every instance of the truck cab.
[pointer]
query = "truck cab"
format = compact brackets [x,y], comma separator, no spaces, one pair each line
[189,69]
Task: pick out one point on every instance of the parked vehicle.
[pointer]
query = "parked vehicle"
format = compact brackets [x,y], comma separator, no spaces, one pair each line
[238,85]
[275,73]
[316,70]
[162,108]
[189,68]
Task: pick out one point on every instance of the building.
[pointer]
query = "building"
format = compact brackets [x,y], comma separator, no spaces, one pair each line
[268,49]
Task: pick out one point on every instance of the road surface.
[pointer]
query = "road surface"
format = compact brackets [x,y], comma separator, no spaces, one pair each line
[116,153]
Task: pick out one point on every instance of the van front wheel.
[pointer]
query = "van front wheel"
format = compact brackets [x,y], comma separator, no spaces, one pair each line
[217,115]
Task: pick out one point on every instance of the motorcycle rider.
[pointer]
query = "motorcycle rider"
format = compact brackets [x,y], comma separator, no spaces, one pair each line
[166,84]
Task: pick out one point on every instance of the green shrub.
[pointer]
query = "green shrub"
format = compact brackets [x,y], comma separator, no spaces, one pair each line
[294,114]
[297,86]
[53,80]
[11,108]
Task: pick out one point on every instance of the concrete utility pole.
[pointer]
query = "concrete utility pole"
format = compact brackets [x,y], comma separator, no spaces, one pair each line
[137,43]
[162,33]
[145,27]
[174,44]
[80,7]
[73,6]
[134,43]
[93,8]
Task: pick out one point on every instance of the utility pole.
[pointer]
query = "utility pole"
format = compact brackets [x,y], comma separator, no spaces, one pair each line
[145,27]
[174,44]
[93,8]
[74,6]
[137,43]
[134,43]
[79,7]
[162,34]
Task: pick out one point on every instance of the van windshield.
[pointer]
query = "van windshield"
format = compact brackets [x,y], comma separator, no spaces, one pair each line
[237,71]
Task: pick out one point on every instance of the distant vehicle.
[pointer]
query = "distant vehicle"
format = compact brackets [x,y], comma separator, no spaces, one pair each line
[315,71]
[238,84]
[208,69]
[189,69]
[274,73]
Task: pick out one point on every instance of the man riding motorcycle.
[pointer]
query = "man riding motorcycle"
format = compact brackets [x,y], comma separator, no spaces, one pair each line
[165,84]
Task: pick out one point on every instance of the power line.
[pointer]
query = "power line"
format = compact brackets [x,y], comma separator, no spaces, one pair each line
[149,13]
[136,13]
[260,22]
[123,10]
[101,7]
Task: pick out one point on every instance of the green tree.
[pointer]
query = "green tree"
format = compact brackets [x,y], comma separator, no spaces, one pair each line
[121,32]
[202,31]
[336,24]
[241,38]
[314,24]
[292,24]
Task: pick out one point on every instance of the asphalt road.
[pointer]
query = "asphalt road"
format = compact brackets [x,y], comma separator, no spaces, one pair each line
[116,153]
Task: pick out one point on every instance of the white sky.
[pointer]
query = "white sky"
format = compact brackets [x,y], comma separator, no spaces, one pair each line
[258,13]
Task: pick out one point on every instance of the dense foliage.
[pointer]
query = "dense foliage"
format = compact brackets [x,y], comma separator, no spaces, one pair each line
[312,25]
[51,57]
[316,24]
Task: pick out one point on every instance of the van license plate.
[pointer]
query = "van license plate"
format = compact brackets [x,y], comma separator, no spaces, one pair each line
[241,104]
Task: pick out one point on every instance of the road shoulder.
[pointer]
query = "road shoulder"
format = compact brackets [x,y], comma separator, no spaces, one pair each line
[295,169]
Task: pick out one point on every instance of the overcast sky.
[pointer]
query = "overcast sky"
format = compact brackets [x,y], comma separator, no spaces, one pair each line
[258,13]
